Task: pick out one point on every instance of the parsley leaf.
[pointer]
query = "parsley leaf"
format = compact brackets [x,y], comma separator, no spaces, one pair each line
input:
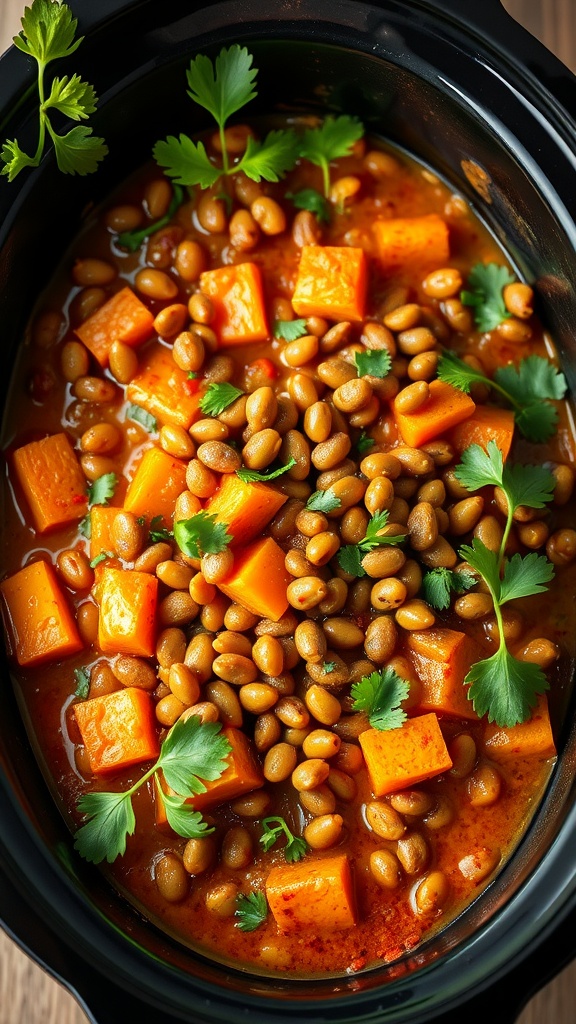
[141,416]
[323,501]
[158,533]
[218,397]
[487,281]
[438,583]
[375,361]
[201,535]
[132,240]
[192,751]
[334,138]
[289,330]
[251,911]
[313,201]
[102,489]
[48,31]
[251,475]
[274,829]
[364,443]
[351,555]
[82,677]
[380,695]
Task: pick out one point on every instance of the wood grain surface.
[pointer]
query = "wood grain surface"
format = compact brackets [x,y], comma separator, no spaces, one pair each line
[27,994]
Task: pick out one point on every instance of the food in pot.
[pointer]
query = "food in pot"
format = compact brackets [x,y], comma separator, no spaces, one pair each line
[289,550]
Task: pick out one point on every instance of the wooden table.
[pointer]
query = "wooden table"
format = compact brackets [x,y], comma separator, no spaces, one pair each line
[27,994]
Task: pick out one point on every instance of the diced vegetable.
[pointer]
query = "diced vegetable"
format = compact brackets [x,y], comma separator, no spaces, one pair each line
[441,658]
[118,729]
[156,484]
[39,624]
[408,242]
[444,409]
[101,519]
[528,739]
[122,318]
[314,895]
[246,508]
[238,299]
[331,282]
[487,423]
[259,579]
[50,476]
[402,757]
[127,601]
[163,389]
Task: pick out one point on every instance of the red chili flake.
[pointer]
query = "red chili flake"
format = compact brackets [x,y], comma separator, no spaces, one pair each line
[191,386]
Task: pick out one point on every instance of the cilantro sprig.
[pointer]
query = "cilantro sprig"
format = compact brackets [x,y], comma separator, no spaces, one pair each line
[223,88]
[143,417]
[439,583]
[158,533]
[485,294]
[289,330]
[254,475]
[529,387]
[99,493]
[47,34]
[380,695]
[192,753]
[375,361]
[275,828]
[323,501]
[132,240]
[251,911]
[82,680]
[351,555]
[201,535]
[334,138]
[313,201]
[503,687]
[218,397]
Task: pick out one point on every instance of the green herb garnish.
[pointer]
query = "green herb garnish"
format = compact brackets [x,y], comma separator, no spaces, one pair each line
[332,139]
[218,397]
[351,555]
[251,911]
[323,501]
[222,89]
[328,666]
[289,330]
[380,695]
[141,416]
[201,535]
[439,583]
[374,361]
[193,751]
[99,493]
[82,677]
[487,282]
[48,31]
[313,201]
[132,240]
[253,475]
[158,533]
[101,558]
[364,443]
[275,828]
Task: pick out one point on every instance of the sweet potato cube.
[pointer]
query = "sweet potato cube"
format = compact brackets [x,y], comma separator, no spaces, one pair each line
[122,318]
[313,895]
[259,579]
[50,476]
[444,409]
[127,601]
[238,300]
[487,423]
[331,282]
[101,519]
[118,729]
[528,739]
[407,242]
[156,484]
[398,758]
[246,507]
[163,389]
[441,659]
[39,624]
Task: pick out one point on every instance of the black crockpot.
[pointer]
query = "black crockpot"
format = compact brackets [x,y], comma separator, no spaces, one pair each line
[459,84]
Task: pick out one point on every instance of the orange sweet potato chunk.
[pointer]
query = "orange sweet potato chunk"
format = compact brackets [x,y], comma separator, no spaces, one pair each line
[238,300]
[398,758]
[446,407]
[122,318]
[487,423]
[156,484]
[118,729]
[246,507]
[127,601]
[101,519]
[39,624]
[331,282]
[408,242]
[50,476]
[259,579]
[441,659]
[528,739]
[313,895]
[164,390]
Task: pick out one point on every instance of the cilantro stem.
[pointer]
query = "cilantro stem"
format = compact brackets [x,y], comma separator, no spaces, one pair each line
[506,534]
[225,163]
[325,176]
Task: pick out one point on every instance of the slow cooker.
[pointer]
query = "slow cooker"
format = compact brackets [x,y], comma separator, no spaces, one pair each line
[465,89]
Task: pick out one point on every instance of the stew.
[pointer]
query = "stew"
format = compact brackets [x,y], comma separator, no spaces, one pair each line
[288,560]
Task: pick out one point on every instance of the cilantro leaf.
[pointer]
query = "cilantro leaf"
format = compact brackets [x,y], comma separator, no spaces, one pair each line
[72,97]
[438,583]
[14,159]
[364,443]
[182,818]
[201,535]
[251,911]
[350,560]
[110,820]
[218,397]
[224,87]
[48,31]
[380,695]
[158,533]
[186,162]
[141,416]
[132,240]
[101,558]
[251,475]
[274,829]
[453,370]
[78,152]
[102,489]
[524,576]
[270,158]
[333,139]
[351,555]
[375,361]
[522,484]
[82,677]
[193,751]
[289,330]
[328,666]
[323,501]
[504,688]
[487,281]
[313,201]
